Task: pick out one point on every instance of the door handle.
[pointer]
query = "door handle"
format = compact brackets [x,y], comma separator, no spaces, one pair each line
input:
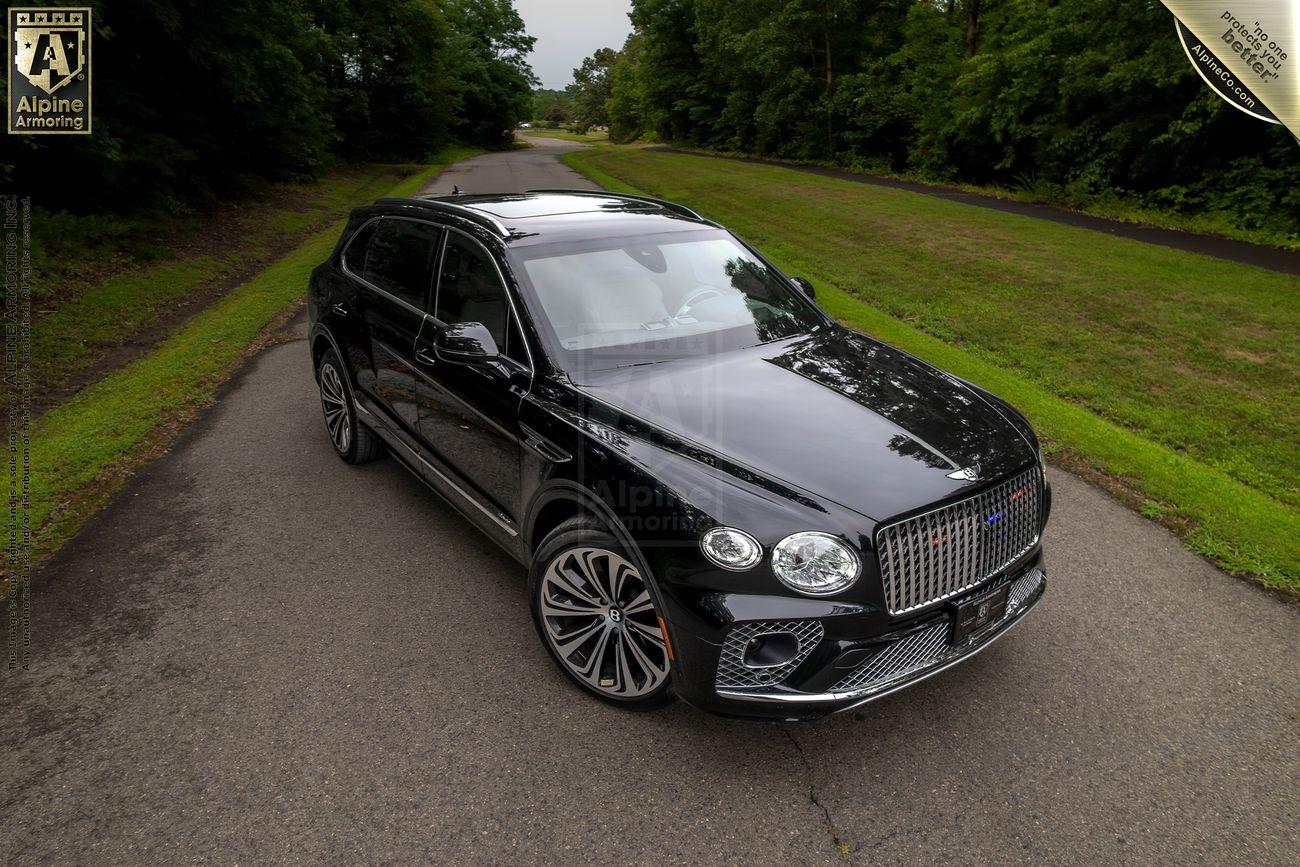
[424,356]
[342,310]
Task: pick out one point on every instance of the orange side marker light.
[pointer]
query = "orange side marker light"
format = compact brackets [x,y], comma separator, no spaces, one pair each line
[663,627]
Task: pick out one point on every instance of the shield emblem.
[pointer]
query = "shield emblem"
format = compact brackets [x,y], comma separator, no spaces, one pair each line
[49,55]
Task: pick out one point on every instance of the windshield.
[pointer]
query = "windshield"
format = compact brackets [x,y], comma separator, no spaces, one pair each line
[656,298]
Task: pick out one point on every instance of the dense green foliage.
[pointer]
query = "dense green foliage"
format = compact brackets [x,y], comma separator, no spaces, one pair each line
[195,101]
[1079,100]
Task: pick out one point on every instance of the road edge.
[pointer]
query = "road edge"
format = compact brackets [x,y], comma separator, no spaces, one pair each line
[84,450]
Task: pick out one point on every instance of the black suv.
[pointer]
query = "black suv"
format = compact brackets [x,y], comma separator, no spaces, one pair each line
[719,492]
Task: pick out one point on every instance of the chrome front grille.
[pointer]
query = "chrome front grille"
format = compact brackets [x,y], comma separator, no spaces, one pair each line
[947,551]
[734,674]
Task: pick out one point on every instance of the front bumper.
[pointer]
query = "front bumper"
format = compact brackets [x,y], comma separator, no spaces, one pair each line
[833,671]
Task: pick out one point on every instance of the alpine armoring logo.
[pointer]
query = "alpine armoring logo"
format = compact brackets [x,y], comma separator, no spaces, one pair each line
[49,71]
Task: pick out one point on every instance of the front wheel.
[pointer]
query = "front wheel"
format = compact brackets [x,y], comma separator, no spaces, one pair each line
[596,615]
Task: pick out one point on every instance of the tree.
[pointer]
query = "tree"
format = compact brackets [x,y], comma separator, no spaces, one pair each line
[972,25]
[624,107]
[389,67]
[491,80]
[591,88]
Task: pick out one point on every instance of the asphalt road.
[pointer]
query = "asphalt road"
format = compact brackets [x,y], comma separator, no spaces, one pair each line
[534,168]
[257,653]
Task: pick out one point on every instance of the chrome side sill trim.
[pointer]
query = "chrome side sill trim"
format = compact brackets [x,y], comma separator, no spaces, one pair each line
[872,693]
[382,429]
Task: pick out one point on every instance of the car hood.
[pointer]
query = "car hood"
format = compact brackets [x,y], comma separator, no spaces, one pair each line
[836,414]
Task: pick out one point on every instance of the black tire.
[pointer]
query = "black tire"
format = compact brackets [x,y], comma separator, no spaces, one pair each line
[353,442]
[575,548]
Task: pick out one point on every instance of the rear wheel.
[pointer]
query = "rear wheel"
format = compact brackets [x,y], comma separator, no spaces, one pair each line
[353,441]
[596,615]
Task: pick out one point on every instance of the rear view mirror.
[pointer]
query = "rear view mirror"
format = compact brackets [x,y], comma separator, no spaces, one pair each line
[466,343]
[805,287]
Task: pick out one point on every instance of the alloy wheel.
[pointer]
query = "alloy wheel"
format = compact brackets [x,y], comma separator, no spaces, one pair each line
[601,622]
[333,399]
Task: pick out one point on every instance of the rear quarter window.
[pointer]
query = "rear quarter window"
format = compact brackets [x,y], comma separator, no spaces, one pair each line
[354,254]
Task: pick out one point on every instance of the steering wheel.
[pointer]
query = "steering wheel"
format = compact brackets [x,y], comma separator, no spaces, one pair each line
[695,297]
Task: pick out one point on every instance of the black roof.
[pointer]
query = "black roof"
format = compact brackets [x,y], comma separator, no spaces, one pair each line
[543,216]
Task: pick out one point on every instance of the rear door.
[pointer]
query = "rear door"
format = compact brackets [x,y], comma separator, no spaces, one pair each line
[398,279]
[347,303]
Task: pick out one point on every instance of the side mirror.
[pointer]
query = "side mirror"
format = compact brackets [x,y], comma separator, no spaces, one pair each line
[466,343]
[805,287]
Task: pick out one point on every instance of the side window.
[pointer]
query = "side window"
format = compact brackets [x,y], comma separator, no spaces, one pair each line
[470,290]
[515,345]
[399,257]
[354,257]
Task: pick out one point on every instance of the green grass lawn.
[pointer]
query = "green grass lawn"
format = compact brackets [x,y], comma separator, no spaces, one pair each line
[1177,375]
[1111,205]
[592,137]
[83,450]
[92,315]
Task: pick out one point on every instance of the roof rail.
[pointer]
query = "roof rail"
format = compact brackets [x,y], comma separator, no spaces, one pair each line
[663,203]
[487,221]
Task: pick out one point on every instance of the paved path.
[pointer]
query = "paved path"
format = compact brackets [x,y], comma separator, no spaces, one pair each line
[1272,258]
[534,168]
[258,654]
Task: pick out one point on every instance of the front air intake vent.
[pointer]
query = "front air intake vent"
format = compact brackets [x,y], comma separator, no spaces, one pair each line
[738,669]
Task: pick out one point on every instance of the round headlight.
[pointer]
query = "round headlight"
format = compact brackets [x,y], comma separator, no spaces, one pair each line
[814,563]
[731,549]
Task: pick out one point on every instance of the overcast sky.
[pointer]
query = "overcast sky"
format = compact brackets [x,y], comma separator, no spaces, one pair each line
[569,30]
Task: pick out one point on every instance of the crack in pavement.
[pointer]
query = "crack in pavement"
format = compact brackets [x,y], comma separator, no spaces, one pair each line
[843,848]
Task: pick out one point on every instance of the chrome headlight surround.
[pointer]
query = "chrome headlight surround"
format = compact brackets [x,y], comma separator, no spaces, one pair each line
[732,549]
[833,566]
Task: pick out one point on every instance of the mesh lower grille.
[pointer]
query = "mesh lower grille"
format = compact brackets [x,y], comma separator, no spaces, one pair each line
[1020,591]
[915,651]
[732,671]
[927,647]
[950,550]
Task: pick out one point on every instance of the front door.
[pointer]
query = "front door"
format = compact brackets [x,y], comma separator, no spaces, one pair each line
[469,413]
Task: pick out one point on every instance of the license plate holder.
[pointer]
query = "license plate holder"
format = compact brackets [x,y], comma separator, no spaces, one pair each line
[978,613]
